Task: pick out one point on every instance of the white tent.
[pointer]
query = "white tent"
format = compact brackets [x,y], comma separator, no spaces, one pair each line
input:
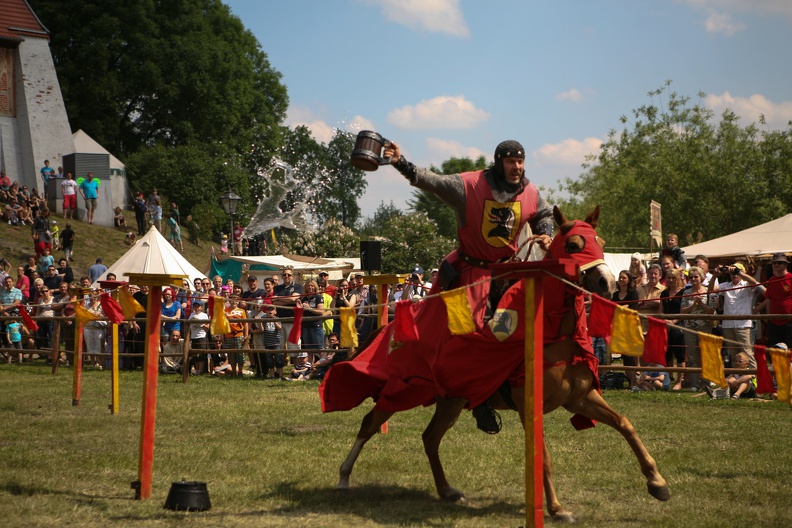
[762,240]
[152,254]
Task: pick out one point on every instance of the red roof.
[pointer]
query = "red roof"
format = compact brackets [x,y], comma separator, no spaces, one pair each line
[17,20]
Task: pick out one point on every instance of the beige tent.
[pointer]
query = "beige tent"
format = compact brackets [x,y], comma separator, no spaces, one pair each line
[152,254]
[762,240]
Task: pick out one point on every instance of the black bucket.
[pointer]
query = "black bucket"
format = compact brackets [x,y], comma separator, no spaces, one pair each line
[188,496]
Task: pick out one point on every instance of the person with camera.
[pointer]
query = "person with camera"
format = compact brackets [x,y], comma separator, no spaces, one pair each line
[343,298]
[735,296]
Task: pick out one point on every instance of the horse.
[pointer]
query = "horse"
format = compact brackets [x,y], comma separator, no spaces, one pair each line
[570,376]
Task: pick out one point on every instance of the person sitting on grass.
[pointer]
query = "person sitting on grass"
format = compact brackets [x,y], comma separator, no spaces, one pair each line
[742,385]
[653,380]
[302,369]
[118,218]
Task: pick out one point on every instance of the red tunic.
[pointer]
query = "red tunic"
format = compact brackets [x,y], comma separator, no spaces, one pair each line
[490,234]
[779,291]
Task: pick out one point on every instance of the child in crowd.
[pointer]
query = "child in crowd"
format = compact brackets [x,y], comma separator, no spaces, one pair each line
[219,358]
[302,369]
[236,337]
[67,242]
[637,269]
[45,261]
[673,250]
[271,337]
[741,385]
[199,328]
[55,235]
[14,331]
[653,380]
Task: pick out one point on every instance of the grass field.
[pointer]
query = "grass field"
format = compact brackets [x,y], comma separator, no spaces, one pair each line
[270,458]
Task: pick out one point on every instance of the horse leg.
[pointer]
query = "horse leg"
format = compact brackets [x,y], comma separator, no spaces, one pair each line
[368,428]
[595,407]
[445,416]
[554,508]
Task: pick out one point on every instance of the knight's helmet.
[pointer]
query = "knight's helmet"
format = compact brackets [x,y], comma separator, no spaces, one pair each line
[506,149]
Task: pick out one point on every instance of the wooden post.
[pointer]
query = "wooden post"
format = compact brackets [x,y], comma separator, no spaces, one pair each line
[382,310]
[114,396]
[56,346]
[78,363]
[534,399]
[150,372]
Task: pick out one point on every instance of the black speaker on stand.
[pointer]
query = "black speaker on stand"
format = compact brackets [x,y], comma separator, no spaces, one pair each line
[371,255]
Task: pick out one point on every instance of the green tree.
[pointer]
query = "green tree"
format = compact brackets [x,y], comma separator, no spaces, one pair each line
[333,240]
[710,177]
[411,239]
[440,213]
[139,72]
[378,224]
[179,90]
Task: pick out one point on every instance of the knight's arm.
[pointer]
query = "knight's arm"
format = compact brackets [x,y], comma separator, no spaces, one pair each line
[447,187]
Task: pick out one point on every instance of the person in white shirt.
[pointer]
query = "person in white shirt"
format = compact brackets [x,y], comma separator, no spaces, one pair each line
[736,297]
[69,189]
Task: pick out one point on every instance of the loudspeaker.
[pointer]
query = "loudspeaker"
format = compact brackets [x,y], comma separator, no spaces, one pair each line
[371,255]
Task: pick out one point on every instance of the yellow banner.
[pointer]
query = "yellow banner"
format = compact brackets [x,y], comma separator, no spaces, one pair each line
[349,337]
[626,336]
[711,359]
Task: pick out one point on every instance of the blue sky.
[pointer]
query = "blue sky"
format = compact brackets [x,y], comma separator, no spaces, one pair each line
[455,77]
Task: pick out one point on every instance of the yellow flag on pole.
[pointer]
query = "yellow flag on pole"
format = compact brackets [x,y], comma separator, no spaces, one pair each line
[129,305]
[349,337]
[83,315]
[626,335]
[219,323]
[711,359]
[782,376]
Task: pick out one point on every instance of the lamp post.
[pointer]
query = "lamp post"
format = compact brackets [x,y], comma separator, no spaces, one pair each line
[230,202]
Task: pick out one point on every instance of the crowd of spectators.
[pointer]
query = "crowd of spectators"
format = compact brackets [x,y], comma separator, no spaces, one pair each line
[672,284]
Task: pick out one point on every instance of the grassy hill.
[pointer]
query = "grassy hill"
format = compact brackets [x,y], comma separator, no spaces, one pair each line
[90,242]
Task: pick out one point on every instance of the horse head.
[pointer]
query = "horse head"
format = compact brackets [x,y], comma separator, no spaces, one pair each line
[578,240]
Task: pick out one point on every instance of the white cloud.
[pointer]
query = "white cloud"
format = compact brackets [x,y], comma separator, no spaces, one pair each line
[441,112]
[722,23]
[761,7]
[572,95]
[777,115]
[441,150]
[566,152]
[320,130]
[436,16]
[720,12]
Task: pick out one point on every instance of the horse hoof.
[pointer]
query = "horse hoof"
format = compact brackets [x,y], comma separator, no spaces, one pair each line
[660,493]
[454,495]
[564,516]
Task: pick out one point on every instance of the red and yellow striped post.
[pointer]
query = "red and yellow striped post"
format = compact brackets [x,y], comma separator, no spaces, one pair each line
[382,309]
[114,390]
[532,274]
[150,372]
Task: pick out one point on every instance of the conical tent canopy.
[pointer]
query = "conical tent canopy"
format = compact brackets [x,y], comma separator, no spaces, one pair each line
[152,254]
[765,239]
